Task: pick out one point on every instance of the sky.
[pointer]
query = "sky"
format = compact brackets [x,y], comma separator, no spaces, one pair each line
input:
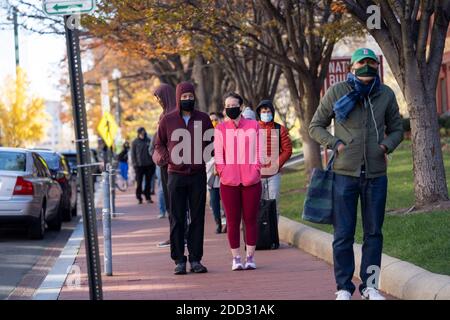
[39,56]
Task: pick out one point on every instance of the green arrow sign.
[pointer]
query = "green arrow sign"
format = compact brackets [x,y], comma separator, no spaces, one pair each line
[67,7]
[58,7]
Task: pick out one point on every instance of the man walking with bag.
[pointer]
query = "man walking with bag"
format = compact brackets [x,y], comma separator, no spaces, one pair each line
[367,127]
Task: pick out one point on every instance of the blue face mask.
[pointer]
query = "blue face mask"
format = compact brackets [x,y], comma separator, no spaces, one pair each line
[266,117]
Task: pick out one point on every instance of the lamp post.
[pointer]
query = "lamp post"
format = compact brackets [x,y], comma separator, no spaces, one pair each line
[116,74]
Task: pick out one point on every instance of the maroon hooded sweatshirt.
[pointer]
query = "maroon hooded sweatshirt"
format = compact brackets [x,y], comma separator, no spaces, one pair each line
[166,94]
[173,121]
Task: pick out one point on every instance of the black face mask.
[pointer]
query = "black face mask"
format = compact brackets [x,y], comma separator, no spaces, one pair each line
[233,113]
[187,105]
[366,71]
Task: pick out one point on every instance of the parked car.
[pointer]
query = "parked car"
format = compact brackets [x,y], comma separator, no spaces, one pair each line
[71,157]
[67,179]
[28,194]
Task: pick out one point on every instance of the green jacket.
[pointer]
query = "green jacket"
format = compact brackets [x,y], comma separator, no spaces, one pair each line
[358,132]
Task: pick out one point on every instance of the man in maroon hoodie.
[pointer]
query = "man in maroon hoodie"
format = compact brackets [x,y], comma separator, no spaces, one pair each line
[179,144]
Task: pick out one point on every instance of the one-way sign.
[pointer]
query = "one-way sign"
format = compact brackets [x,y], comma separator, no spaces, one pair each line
[67,7]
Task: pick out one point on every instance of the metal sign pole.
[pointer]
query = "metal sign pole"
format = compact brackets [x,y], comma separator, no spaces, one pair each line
[107,221]
[83,158]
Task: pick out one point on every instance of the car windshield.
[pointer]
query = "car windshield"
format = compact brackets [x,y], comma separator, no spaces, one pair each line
[51,159]
[72,160]
[13,161]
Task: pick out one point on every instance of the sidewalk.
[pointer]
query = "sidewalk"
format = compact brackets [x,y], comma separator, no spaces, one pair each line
[141,270]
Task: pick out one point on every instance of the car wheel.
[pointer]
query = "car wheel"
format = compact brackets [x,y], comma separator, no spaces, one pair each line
[56,223]
[36,229]
[67,212]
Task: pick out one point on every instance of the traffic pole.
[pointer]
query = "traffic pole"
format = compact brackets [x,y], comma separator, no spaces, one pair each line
[16,37]
[84,162]
[107,221]
[111,189]
[112,184]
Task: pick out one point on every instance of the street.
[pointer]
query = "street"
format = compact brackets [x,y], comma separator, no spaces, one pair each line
[25,263]
[143,143]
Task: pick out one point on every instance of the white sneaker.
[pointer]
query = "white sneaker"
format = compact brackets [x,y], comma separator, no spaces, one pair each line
[343,295]
[250,263]
[372,294]
[237,264]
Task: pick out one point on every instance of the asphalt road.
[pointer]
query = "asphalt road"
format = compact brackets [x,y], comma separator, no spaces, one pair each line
[25,263]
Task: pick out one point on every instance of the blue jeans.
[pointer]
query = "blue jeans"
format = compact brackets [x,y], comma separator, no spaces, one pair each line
[161,199]
[152,183]
[372,193]
[123,167]
[214,201]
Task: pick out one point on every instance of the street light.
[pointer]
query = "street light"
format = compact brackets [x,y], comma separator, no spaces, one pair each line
[12,16]
[116,75]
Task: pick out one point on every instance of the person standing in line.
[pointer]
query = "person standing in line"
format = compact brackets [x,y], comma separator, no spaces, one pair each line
[187,176]
[237,158]
[214,182]
[143,164]
[165,95]
[161,201]
[123,161]
[248,113]
[278,137]
[367,127]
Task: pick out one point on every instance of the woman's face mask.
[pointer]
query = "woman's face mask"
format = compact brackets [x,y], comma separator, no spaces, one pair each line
[266,117]
[233,112]
[214,122]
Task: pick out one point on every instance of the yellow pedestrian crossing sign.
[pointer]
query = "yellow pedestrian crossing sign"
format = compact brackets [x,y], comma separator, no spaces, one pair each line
[108,128]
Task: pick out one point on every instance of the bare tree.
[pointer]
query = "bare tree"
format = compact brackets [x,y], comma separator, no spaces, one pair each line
[299,37]
[412,36]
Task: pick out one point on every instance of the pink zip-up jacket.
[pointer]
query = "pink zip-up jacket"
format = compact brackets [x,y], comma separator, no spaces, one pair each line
[237,152]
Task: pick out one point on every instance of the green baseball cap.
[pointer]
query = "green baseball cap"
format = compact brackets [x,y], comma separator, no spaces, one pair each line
[362,54]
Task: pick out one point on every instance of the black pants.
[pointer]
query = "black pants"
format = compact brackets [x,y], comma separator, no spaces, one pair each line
[141,173]
[187,193]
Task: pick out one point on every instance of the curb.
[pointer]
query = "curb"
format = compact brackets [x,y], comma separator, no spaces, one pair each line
[398,278]
[54,282]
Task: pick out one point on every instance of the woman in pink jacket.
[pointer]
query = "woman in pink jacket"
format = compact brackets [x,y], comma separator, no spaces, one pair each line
[236,148]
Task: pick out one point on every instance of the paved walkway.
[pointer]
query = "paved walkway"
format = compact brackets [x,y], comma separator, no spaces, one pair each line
[141,270]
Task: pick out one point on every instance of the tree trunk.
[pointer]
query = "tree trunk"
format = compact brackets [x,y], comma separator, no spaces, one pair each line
[199,78]
[305,110]
[429,174]
[218,79]
[311,149]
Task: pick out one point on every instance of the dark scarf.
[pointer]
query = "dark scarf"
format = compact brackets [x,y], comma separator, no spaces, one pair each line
[345,104]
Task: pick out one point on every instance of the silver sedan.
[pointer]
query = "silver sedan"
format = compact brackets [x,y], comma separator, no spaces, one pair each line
[28,194]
